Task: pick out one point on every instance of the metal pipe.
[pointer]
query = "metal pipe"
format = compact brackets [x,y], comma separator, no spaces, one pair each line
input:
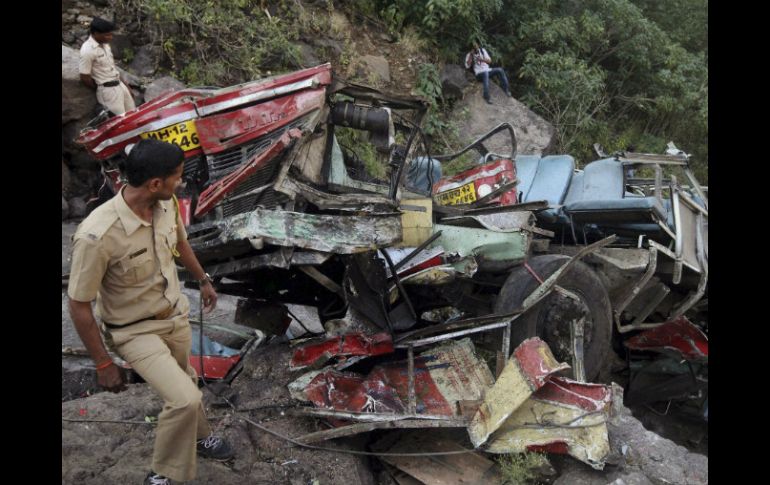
[371,417]
[634,291]
[419,248]
[506,350]
[399,285]
[577,332]
[412,401]
[439,338]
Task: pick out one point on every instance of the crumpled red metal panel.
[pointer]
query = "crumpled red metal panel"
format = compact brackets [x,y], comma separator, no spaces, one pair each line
[536,362]
[384,390]
[587,396]
[679,336]
[223,131]
[350,345]
[216,367]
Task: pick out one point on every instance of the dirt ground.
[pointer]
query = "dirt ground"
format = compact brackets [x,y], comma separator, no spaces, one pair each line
[110,452]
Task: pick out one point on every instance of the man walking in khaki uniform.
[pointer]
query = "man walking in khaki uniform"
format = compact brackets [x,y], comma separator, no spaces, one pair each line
[97,69]
[123,256]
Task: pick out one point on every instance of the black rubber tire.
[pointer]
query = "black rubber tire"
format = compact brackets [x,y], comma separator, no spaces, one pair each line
[542,320]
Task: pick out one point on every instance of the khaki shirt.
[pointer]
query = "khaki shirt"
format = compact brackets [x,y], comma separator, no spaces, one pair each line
[96,60]
[126,263]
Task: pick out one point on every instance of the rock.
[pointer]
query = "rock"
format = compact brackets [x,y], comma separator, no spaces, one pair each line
[161,86]
[84,19]
[377,65]
[66,178]
[120,44]
[453,81]
[331,48]
[65,208]
[83,183]
[581,477]
[340,25]
[475,117]
[77,101]
[145,61]
[70,131]
[659,459]
[77,207]
[82,160]
[68,37]
[633,478]
[309,58]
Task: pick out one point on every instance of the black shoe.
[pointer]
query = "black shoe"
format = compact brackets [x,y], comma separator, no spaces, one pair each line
[488,101]
[155,479]
[215,448]
[508,93]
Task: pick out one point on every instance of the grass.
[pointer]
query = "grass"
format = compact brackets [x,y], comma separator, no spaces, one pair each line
[519,468]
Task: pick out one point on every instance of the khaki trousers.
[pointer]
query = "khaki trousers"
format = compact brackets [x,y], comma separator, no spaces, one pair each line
[159,351]
[117,99]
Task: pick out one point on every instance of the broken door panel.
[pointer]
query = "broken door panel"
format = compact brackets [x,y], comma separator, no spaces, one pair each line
[528,369]
[564,416]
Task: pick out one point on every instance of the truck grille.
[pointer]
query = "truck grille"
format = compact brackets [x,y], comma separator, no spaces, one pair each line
[224,163]
[267,198]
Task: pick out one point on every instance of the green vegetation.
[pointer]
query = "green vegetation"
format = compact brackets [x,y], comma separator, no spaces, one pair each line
[519,468]
[221,43]
[624,73]
[356,143]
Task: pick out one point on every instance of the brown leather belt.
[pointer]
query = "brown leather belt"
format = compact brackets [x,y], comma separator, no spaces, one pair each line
[158,316]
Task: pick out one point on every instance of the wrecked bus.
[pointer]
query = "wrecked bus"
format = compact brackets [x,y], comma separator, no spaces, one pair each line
[278,210]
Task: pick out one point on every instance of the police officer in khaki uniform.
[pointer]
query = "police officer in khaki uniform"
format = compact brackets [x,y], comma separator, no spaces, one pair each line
[97,69]
[123,257]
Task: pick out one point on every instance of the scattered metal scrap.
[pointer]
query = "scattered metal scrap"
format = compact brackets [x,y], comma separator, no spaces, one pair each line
[669,363]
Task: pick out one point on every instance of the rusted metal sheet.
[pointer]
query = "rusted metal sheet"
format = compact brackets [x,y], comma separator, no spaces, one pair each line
[325,200]
[678,336]
[457,469]
[343,346]
[327,233]
[443,376]
[276,259]
[528,369]
[564,416]
[357,428]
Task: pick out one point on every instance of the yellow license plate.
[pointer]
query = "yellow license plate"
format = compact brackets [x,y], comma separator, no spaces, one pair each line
[461,195]
[184,135]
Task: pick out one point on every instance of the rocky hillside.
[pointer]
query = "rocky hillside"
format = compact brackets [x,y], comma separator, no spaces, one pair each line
[359,49]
